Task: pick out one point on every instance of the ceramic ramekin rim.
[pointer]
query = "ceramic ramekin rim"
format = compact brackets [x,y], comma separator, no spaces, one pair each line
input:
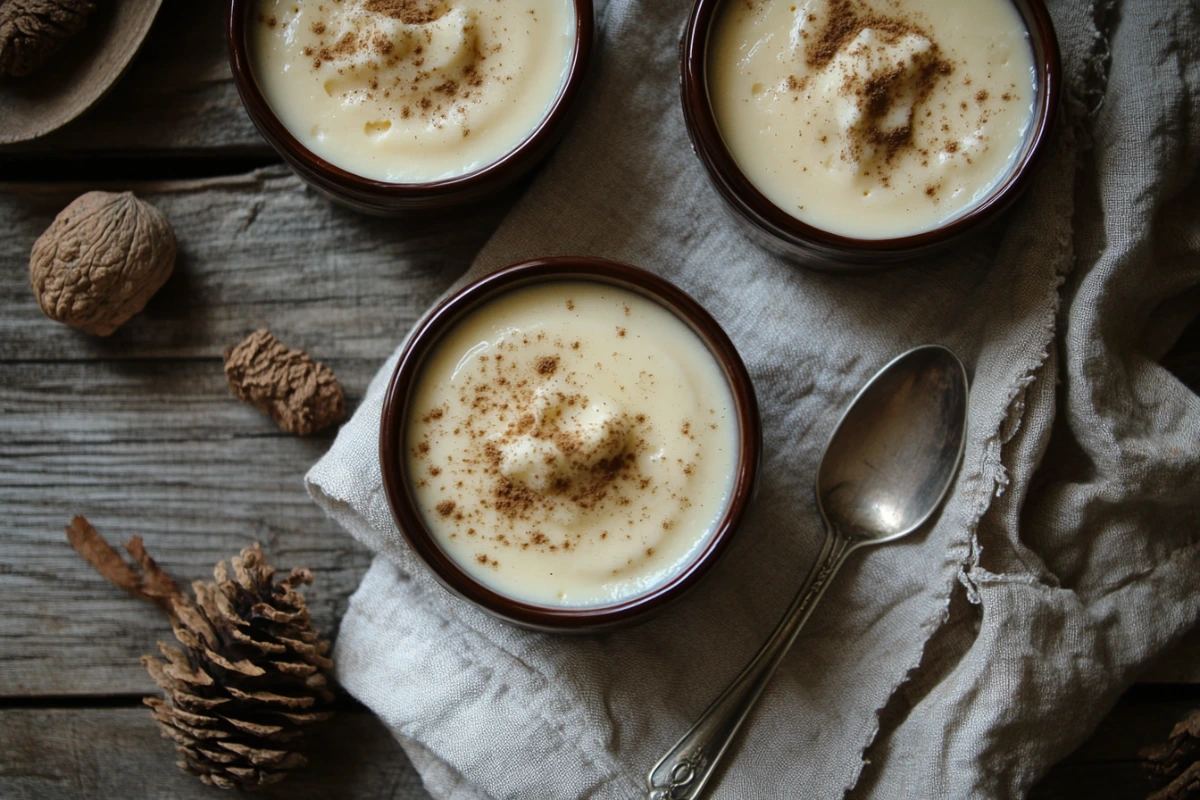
[408,517]
[740,191]
[278,135]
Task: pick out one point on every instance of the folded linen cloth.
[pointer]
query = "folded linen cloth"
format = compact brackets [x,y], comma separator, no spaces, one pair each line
[960,662]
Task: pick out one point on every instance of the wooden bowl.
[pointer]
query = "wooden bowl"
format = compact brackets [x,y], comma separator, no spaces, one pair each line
[79,74]
[383,198]
[397,483]
[781,233]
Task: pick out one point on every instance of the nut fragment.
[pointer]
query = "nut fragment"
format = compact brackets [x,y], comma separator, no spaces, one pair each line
[302,395]
[101,260]
[33,30]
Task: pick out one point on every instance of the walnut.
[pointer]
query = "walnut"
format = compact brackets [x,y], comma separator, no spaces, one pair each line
[302,395]
[33,30]
[101,259]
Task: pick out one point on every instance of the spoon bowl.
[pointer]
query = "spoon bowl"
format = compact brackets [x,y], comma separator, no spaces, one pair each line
[891,459]
[886,469]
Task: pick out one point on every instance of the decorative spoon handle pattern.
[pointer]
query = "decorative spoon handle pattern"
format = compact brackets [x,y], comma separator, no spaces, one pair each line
[686,768]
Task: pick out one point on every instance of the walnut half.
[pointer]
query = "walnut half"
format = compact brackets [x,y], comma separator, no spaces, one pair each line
[101,260]
[31,31]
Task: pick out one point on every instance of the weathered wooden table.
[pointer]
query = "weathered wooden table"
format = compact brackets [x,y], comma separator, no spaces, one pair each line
[139,433]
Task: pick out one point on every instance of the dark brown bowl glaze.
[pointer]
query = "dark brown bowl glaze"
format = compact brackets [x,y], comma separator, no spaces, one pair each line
[401,199]
[780,232]
[395,417]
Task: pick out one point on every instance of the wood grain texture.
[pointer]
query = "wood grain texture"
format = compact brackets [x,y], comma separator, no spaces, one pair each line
[254,250]
[177,96]
[63,754]
[139,432]
[1107,765]
[154,448]
[81,754]
[1181,665]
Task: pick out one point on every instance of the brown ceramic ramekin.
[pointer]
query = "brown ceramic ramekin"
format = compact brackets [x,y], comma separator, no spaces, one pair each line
[780,232]
[400,199]
[396,480]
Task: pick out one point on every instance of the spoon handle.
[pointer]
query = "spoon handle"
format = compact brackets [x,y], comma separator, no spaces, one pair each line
[686,768]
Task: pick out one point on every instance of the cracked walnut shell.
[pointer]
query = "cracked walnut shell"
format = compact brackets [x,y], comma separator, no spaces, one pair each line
[31,31]
[300,394]
[101,260]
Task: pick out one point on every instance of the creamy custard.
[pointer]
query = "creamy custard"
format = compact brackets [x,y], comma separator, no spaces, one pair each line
[572,444]
[411,91]
[872,118]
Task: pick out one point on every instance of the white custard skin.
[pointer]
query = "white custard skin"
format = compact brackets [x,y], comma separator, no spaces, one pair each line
[411,102]
[791,126]
[631,383]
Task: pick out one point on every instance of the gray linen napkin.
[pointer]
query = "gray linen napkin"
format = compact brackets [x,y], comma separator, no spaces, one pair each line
[961,662]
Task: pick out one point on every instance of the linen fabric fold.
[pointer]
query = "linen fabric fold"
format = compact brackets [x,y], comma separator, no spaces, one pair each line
[960,662]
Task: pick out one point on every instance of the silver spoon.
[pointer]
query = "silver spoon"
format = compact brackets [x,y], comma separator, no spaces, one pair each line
[885,471]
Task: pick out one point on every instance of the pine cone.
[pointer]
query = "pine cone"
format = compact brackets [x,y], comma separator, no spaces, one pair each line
[1177,762]
[248,679]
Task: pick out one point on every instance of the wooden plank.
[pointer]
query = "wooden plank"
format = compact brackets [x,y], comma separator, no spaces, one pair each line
[1181,664]
[139,431]
[156,448]
[177,97]
[254,250]
[1107,765]
[1111,780]
[57,754]
[64,754]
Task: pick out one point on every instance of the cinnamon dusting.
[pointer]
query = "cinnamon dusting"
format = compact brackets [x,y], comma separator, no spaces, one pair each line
[879,96]
[534,396]
[394,69]
[410,12]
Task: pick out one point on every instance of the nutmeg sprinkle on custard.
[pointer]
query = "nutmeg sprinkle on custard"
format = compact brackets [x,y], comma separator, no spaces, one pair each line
[411,90]
[577,461]
[872,118]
